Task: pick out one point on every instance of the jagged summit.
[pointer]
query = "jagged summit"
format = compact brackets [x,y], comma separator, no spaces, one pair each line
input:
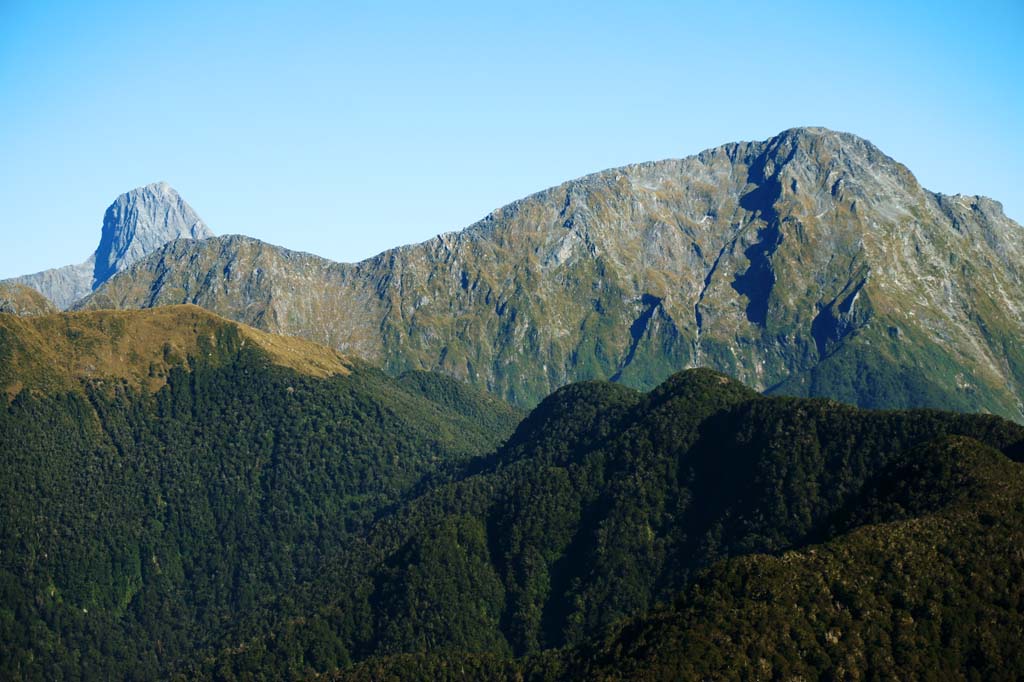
[136,224]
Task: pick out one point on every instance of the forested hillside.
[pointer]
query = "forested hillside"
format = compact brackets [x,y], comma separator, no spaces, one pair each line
[608,505]
[257,507]
[137,525]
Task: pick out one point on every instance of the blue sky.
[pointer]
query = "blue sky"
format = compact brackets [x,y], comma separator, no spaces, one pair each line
[346,128]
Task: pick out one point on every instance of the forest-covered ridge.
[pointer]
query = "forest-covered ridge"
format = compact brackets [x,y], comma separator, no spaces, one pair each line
[245,520]
[609,506]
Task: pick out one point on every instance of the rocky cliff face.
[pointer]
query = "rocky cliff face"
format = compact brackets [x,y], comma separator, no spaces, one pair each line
[811,263]
[137,223]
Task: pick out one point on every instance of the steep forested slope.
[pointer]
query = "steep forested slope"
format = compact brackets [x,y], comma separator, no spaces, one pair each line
[184,496]
[930,587]
[607,504]
[164,472]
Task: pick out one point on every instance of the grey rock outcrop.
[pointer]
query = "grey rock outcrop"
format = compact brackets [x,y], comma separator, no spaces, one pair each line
[136,224]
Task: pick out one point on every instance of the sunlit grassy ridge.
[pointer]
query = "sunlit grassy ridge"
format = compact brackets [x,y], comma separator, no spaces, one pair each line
[57,351]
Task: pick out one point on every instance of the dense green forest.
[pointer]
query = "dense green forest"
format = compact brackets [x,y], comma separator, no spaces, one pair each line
[135,527]
[248,521]
[607,505]
[924,579]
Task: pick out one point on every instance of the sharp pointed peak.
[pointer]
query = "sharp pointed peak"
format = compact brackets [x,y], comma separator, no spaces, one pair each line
[141,221]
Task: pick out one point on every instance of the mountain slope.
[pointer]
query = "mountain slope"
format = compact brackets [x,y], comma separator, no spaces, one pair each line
[143,515]
[809,264]
[911,593]
[268,508]
[607,504]
[137,223]
[854,606]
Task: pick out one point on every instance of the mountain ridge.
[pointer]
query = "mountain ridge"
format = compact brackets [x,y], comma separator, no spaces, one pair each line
[56,352]
[810,263]
[244,518]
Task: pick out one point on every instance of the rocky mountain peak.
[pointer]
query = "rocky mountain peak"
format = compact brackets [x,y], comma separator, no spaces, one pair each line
[841,165]
[140,221]
[819,144]
[136,224]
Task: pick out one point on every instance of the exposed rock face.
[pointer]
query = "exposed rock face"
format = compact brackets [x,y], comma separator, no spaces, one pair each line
[18,299]
[810,263]
[136,224]
[140,222]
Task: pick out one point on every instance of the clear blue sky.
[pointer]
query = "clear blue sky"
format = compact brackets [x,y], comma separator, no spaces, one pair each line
[345,128]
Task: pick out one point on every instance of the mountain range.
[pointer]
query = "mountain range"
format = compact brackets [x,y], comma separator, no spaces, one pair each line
[614,430]
[808,264]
